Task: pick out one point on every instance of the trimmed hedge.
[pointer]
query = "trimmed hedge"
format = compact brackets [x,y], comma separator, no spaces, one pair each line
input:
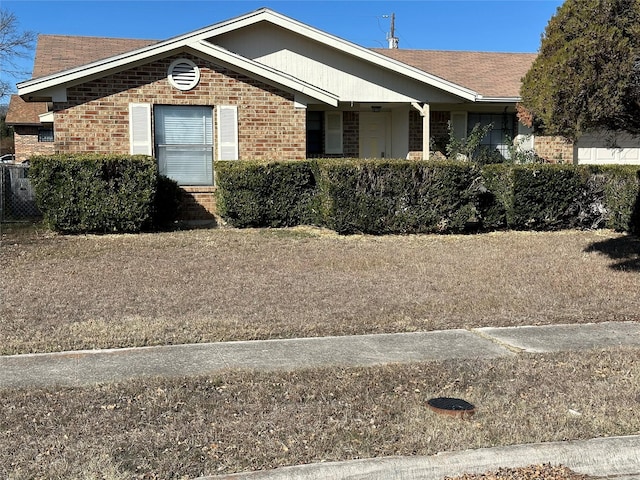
[496,196]
[619,188]
[548,197]
[399,196]
[379,197]
[553,197]
[95,193]
[350,195]
[276,194]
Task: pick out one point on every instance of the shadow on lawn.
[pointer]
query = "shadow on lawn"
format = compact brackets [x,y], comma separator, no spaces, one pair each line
[624,250]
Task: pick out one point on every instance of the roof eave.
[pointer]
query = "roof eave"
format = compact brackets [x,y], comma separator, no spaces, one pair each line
[23,124]
[191,39]
[483,99]
[195,41]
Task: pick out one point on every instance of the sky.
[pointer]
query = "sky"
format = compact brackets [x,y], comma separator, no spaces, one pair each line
[480,25]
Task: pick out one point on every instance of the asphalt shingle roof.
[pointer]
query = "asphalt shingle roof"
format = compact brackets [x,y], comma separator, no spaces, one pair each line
[24,113]
[55,53]
[487,73]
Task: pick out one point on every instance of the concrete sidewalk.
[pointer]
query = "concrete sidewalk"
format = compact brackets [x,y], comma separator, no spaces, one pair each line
[99,366]
[614,458]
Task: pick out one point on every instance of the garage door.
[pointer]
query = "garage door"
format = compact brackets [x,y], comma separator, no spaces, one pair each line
[602,149]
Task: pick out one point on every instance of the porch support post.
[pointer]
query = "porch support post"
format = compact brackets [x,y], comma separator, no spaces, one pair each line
[425,113]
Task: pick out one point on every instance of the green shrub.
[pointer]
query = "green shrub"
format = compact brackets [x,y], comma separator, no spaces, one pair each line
[398,196]
[94,193]
[496,196]
[619,189]
[549,197]
[275,194]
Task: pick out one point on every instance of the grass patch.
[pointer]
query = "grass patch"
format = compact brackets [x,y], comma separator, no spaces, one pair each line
[89,291]
[238,421]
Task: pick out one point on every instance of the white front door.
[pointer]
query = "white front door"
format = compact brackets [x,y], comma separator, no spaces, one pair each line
[375,133]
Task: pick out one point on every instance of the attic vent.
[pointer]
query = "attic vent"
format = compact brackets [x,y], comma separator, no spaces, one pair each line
[183,74]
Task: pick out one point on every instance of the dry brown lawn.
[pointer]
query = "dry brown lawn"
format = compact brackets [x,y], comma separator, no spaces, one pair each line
[76,292]
[236,421]
[70,292]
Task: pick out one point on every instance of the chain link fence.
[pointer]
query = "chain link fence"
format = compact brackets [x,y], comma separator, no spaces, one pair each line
[17,198]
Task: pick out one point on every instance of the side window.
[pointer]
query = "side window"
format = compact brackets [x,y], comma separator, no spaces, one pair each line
[45,134]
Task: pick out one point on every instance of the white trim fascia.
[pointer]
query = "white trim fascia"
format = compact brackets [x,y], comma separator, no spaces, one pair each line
[246,65]
[165,47]
[83,73]
[482,99]
[155,50]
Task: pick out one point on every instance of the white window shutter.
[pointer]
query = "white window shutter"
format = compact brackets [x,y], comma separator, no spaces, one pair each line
[333,133]
[459,124]
[227,132]
[140,129]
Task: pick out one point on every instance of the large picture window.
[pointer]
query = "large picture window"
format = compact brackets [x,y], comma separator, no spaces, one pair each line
[184,143]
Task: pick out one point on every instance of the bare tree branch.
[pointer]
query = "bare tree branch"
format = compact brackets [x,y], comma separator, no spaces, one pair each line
[14,44]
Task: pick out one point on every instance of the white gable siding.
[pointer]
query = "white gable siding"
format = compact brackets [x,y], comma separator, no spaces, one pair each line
[351,78]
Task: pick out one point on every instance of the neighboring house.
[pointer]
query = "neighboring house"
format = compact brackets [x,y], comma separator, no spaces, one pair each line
[266,87]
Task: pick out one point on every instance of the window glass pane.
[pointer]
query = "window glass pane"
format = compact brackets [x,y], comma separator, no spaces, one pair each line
[45,135]
[187,125]
[186,165]
[314,132]
[184,143]
[503,128]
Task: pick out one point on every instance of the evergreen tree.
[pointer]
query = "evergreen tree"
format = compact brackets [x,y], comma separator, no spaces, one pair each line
[587,74]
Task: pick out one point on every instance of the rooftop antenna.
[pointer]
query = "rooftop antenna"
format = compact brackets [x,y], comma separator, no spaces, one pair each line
[391,37]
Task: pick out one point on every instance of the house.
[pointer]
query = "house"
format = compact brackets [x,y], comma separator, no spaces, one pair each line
[263,86]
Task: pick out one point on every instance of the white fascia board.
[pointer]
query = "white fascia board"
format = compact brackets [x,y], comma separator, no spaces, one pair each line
[94,70]
[482,99]
[253,68]
[81,73]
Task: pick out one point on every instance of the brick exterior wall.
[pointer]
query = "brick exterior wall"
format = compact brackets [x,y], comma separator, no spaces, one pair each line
[439,131]
[554,149]
[197,203]
[27,144]
[351,134]
[95,117]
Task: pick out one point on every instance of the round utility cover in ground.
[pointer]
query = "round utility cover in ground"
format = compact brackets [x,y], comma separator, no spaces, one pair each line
[455,407]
